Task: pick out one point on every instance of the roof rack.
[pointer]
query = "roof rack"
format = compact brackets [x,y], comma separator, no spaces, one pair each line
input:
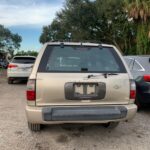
[80,41]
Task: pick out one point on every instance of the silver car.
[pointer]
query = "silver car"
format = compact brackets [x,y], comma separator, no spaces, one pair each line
[140,69]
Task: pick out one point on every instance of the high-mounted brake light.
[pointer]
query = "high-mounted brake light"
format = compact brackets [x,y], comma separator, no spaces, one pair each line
[132,89]
[30,93]
[12,66]
[146,78]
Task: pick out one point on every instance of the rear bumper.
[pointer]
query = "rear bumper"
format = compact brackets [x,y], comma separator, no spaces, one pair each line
[87,114]
[18,78]
[18,74]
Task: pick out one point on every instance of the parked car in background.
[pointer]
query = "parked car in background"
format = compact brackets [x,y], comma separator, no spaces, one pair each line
[79,83]
[3,64]
[140,69]
[20,68]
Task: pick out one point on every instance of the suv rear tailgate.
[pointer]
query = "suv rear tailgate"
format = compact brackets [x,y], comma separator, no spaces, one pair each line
[50,89]
[74,75]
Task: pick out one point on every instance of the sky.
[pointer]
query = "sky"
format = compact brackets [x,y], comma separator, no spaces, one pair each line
[27,17]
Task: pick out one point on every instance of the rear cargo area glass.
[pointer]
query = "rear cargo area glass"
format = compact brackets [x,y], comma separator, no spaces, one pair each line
[81,59]
[23,60]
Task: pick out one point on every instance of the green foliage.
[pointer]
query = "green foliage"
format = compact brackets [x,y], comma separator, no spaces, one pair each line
[9,42]
[143,42]
[77,18]
[139,10]
[99,21]
[26,53]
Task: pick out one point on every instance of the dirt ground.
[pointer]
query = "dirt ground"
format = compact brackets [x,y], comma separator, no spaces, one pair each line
[14,133]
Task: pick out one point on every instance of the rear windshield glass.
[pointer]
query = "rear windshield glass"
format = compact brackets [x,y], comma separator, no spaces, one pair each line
[23,60]
[80,59]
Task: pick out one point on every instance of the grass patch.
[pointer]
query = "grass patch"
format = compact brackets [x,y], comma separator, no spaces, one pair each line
[2,72]
[1,69]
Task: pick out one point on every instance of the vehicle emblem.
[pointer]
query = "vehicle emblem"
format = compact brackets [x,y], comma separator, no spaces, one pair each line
[117,87]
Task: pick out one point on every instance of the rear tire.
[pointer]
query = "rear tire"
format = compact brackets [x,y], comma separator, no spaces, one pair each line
[34,127]
[10,81]
[111,125]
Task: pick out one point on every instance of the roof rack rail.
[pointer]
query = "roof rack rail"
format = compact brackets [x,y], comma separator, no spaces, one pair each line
[80,41]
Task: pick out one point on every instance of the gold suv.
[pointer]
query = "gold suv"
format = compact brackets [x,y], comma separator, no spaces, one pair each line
[79,83]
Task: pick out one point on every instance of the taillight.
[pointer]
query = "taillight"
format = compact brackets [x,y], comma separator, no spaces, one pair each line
[146,78]
[30,93]
[12,66]
[132,89]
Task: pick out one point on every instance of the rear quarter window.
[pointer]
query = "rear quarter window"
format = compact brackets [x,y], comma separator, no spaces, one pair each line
[134,65]
[80,59]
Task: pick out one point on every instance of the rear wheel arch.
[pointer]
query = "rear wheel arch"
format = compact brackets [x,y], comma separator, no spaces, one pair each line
[10,81]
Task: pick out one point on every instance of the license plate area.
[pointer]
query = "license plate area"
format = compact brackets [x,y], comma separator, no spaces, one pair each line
[25,68]
[85,91]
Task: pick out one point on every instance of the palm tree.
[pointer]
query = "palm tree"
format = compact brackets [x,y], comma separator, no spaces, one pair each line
[139,11]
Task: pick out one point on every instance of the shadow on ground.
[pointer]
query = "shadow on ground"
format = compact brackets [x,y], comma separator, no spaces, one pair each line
[20,82]
[145,108]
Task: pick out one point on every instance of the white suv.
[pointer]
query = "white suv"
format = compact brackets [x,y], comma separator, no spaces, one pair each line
[20,68]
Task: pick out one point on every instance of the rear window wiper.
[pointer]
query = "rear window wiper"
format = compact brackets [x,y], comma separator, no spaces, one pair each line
[27,62]
[104,74]
[84,69]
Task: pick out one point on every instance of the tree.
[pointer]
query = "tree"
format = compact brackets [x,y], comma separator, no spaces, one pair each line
[9,42]
[27,53]
[99,21]
[139,11]
[114,26]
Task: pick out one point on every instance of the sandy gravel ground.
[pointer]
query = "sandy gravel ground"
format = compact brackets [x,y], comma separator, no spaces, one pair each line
[14,134]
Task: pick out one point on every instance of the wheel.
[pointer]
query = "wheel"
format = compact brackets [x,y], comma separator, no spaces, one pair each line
[34,127]
[111,125]
[10,81]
